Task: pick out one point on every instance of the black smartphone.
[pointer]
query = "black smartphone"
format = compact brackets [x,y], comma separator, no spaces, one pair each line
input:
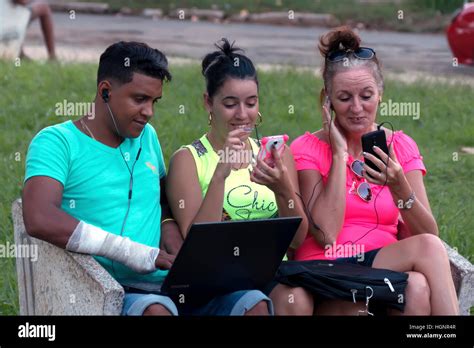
[369,140]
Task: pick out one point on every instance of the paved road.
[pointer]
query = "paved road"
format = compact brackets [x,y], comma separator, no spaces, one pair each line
[86,36]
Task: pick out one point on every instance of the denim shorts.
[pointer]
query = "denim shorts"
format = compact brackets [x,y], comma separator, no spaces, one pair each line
[235,303]
[136,303]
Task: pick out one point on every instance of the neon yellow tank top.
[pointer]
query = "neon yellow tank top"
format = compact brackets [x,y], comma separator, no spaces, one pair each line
[243,199]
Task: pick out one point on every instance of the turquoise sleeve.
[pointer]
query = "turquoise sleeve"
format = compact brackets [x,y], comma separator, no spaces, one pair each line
[48,155]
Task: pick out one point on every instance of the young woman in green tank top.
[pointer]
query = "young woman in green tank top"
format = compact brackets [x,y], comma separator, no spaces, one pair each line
[217,177]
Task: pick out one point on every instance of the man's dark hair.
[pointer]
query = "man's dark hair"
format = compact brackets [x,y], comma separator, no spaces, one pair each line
[120,60]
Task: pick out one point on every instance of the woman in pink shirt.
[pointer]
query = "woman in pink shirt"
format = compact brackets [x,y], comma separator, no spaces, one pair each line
[357,213]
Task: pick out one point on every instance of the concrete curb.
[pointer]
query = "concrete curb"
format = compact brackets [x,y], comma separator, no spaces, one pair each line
[81,7]
[197,14]
[289,18]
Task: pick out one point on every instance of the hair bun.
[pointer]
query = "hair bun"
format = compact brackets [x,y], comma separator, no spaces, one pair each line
[226,50]
[338,38]
[220,65]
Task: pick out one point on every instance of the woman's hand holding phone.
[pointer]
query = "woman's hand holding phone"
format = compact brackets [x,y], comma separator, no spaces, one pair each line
[275,178]
[333,134]
[391,174]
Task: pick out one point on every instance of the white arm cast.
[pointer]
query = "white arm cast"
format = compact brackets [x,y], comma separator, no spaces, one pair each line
[89,239]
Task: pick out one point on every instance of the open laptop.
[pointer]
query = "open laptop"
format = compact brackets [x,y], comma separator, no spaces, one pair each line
[223,257]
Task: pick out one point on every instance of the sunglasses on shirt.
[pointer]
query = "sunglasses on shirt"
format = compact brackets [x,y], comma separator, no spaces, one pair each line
[363,189]
[360,53]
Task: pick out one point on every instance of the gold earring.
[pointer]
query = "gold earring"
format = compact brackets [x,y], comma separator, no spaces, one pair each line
[260,119]
[209,119]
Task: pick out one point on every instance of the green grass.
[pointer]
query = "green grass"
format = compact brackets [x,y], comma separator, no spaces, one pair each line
[30,92]
[418,15]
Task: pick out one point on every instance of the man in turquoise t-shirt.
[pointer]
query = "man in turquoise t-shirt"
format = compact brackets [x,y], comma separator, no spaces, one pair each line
[97,186]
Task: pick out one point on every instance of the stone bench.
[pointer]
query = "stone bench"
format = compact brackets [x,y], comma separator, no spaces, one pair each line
[60,282]
[63,283]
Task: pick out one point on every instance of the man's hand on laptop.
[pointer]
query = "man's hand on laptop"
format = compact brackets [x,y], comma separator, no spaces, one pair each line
[164,260]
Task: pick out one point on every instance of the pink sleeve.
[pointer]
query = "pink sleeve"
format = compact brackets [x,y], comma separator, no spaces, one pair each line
[311,153]
[407,153]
